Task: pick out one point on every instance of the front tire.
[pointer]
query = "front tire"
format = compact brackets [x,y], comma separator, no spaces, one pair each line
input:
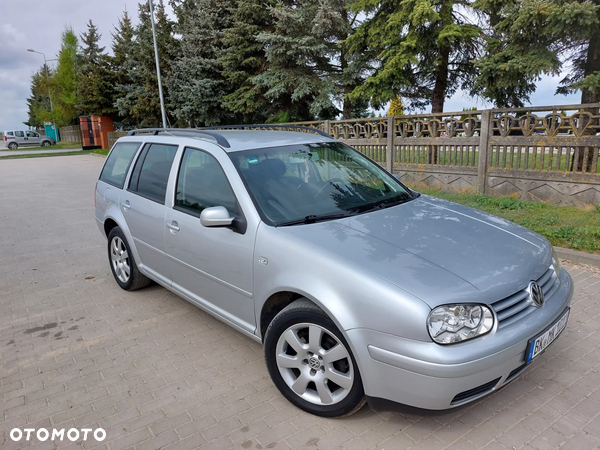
[311,363]
[46,144]
[122,263]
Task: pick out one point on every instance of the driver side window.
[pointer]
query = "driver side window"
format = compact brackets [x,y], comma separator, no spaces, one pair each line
[201,184]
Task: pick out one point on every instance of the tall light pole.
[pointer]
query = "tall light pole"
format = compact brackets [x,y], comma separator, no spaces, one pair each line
[160,92]
[49,94]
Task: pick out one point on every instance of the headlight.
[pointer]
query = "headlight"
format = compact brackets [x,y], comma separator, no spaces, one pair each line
[449,324]
[555,263]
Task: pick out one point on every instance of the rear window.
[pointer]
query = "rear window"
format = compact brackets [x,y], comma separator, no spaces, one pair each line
[118,162]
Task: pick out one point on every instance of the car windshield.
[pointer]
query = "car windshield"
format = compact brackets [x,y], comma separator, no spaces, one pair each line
[313,182]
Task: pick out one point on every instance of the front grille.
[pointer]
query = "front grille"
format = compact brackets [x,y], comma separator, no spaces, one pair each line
[519,305]
[475,392]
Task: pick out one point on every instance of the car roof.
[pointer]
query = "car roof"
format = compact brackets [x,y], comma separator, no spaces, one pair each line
[240,140]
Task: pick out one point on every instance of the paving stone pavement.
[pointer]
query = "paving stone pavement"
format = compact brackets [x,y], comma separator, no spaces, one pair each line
[155,372]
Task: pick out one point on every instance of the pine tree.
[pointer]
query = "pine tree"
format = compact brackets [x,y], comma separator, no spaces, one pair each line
[310,70]
[64,82]
[244,58]
[38,104]
[196,83]
[396,107]
[123,47]
[138,96]
[528,38]
[425,49]
[95,83]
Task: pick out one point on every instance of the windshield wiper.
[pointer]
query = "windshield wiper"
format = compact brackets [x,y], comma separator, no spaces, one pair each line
[385,204]
[313,218]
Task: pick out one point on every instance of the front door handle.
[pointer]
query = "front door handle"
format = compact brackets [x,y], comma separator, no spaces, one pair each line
[173,226]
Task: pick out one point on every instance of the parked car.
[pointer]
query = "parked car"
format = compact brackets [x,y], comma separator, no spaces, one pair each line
[22,138]
[357,286]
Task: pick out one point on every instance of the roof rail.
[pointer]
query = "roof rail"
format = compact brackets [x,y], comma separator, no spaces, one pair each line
[269,125]
[155,131]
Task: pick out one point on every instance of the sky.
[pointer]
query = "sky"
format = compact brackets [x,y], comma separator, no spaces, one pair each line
[38,24]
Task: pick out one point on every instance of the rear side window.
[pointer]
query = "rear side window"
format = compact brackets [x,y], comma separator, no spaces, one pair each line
[118,162]
[10,133]
[151,173]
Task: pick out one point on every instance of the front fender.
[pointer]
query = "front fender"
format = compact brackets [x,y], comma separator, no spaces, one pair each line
[351,296]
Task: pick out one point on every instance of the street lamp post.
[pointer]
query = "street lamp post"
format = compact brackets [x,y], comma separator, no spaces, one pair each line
[49,93]
[160,92]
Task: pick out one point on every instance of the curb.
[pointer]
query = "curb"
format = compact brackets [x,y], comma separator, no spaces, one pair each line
[591,259]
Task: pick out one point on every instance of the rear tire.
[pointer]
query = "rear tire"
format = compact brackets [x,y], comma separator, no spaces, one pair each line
[122,263]
[13,145]
[311,363]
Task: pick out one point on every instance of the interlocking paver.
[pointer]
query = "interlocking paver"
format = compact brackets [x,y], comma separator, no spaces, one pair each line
[154,371]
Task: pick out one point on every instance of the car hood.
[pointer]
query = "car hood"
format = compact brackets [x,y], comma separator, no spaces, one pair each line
[439,251]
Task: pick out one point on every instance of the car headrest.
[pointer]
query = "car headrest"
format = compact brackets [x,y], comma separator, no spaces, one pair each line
[272,168]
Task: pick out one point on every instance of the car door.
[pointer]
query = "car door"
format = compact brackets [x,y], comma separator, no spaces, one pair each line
[32,138]
[210,266]
[20,138]
[143,206]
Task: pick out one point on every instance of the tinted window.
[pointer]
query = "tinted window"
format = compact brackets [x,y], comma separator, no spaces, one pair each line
[153,166]
[10,133]
[19,134]
[117,163]
[202,183]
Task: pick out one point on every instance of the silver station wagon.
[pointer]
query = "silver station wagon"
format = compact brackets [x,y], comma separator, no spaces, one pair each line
[358,287]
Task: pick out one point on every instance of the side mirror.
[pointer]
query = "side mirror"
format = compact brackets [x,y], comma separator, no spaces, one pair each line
[217,216]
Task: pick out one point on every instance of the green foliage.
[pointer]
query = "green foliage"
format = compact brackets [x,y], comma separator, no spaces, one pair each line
[64,82]
[532,37]
[96,80]
[138,96]
[39,103]
[425,49]
[396,107]
[244,58]
[310,70]
[196,83]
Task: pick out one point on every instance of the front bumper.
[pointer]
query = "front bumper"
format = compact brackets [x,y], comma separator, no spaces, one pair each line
[435,377]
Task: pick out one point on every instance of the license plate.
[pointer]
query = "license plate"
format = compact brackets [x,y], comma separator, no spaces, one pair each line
[540,343]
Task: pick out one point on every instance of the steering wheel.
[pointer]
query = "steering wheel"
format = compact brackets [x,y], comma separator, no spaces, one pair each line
[331,182]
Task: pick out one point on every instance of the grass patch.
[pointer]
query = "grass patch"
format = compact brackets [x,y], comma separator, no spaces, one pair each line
[58,146]
[563,226]
[43,155]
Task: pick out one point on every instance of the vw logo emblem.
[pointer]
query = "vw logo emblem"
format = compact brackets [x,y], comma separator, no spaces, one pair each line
[314,363]
[536,294]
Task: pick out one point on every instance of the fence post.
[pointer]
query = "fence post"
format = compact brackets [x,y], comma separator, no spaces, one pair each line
[389,150]
[326,127]
[482,163]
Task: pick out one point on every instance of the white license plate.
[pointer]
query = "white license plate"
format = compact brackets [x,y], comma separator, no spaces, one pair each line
[539,344]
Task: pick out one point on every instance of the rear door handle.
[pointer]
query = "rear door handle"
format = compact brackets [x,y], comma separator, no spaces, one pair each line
[173,226]
[126,205]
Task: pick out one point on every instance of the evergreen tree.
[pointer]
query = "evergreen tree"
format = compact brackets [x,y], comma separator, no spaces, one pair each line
[425,50]
[528,38]
[64,83]
[95,83]
[123,47]
[137,96]
[310,69]
[38,104]
[244,58]
[396,107]
[196,83]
